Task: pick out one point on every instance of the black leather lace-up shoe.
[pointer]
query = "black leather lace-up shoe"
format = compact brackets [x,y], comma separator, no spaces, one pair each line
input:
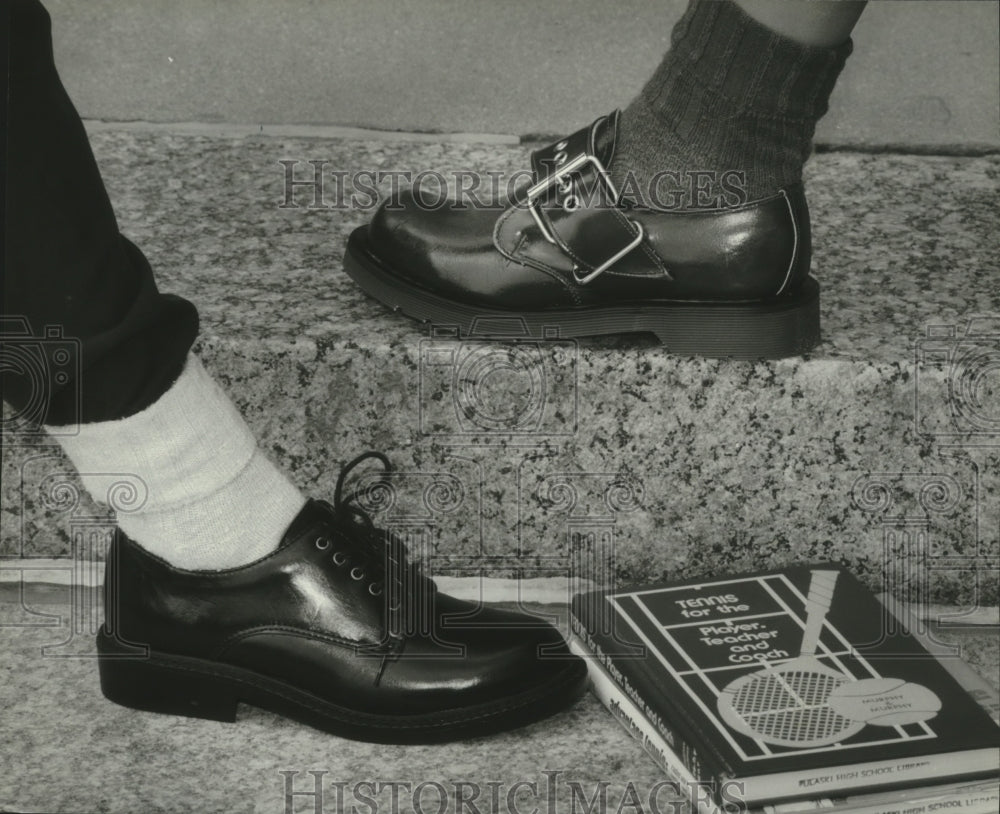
[336,629]
[566,257]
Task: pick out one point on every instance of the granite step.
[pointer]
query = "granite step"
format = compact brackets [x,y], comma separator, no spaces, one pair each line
[608,458]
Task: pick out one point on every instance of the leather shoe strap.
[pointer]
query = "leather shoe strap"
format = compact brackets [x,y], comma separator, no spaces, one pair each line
[574,206]
[596,139]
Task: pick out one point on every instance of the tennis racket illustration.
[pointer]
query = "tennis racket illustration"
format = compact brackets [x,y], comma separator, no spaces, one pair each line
[788,704]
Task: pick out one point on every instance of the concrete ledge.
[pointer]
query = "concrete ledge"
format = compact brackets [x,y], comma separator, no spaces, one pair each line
[922,74]
[297,131]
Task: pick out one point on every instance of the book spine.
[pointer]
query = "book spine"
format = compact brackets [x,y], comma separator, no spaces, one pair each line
[913,771]
[624,710]
[980,798]
[691,750]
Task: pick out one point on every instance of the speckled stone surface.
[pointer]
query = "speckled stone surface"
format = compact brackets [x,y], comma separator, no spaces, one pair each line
[66,749]
[879,449]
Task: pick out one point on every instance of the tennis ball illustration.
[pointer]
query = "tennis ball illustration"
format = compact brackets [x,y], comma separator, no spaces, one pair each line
[885,702]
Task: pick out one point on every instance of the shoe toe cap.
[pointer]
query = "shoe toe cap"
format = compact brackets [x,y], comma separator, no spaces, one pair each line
[493,653]
[447,249]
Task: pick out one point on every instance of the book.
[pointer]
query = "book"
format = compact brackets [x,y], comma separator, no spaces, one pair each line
[948,798]
[985,694]
[969,798]
[782,685]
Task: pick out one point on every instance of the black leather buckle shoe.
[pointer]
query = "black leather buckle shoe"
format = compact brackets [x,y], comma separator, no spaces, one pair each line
[335,629]
[566,257]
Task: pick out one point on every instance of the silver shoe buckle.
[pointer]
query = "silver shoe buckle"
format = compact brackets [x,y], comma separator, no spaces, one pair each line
[555,178]
[590,275]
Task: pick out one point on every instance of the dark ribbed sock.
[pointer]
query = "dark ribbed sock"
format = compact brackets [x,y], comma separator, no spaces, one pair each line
[729,114]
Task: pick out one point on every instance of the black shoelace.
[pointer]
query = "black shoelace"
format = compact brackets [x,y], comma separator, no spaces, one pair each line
[379,554]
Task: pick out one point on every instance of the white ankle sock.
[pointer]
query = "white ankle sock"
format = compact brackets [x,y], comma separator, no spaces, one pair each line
[213,500]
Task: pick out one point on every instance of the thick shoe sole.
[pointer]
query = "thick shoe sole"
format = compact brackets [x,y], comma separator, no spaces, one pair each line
[179,685]
[775,329]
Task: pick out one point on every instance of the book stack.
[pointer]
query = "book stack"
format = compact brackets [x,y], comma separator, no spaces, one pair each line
[790,691]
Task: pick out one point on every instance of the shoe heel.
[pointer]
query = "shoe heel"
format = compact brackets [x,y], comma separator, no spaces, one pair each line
[149,683]
[777,330]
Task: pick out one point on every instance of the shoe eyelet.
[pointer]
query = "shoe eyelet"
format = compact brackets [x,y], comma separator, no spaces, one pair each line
[357,573]
[565,185]
[339,558]
[375,590]
[562,145]
[560,158]
[571,203]
[322,543]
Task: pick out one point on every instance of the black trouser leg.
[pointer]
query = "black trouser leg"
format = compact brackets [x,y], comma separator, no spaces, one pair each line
[66,266]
